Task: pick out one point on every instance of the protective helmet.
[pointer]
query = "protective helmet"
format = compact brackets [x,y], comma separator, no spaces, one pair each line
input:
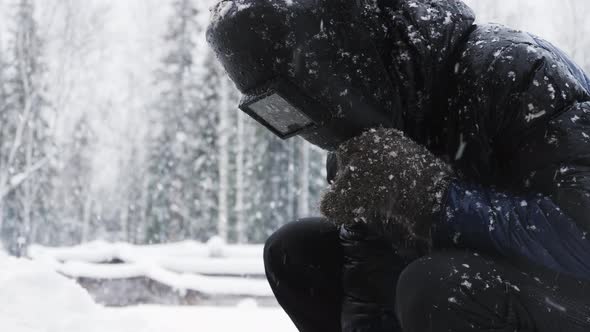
[305,67]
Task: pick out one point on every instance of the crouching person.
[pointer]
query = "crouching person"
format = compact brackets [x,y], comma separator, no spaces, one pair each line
[459,165]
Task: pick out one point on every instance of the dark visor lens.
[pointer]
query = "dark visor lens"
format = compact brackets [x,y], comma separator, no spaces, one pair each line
[280,114]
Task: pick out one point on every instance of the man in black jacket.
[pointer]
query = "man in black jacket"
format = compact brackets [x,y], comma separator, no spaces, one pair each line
[460,164]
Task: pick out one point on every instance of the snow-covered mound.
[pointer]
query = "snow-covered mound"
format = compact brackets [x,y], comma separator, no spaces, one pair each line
[33,297]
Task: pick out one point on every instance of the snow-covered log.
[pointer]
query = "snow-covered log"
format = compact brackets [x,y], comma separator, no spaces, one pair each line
[204,271]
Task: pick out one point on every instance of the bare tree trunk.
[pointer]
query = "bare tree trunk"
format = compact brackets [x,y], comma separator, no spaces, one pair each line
[125,220]
[303,199]
[28,190]
[27,127]
[240,217]
[223,161]
[292,187]
[87,214]
[143,215]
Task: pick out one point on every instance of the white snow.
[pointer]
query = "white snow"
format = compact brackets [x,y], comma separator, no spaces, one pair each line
[99,251]
[555,305]
[448,18]
[467,284]
[220,10]
[182,266]
[191,319]
[551,90]
[34,298]
[512,75]
[531,117]
[461,148]
[178,281]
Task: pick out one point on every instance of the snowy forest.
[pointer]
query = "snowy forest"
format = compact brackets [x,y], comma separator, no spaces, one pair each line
[118,124]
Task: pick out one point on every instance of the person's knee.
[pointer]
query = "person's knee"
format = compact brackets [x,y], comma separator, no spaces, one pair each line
[428,287]
[272,254]
[416,291]
[298,243]
[270,246]
[282,240]
[460,291]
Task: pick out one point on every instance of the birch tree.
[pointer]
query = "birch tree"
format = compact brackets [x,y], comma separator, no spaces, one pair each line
[26,173]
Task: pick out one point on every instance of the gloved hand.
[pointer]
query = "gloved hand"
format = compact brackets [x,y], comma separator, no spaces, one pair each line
[373,260]
[385,177]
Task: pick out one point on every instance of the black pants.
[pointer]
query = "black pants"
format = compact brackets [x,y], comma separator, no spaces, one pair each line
[447,291]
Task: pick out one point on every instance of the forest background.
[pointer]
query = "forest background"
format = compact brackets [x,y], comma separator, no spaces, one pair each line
[117,123]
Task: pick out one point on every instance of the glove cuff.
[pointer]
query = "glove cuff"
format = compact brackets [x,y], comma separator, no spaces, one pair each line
[422,214]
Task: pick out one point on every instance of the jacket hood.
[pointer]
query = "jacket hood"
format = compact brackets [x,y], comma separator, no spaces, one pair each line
[370,62]
[418,40]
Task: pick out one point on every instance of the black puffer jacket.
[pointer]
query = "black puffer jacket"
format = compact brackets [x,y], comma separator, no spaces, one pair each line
[510,113]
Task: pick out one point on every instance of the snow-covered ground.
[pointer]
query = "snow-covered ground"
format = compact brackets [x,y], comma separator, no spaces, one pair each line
[35,298]
[191,319]
[155,319]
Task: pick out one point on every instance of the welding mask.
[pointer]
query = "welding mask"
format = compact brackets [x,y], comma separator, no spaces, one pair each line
[305,67]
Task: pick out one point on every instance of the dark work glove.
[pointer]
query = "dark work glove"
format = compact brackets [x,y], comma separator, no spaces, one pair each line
[373,261]
[385,177]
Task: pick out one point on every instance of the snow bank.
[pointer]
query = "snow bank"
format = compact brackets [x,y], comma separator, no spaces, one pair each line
[204,319]
[32,296]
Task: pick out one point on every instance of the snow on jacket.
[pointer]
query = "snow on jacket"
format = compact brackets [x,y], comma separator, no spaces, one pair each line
[511,113]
